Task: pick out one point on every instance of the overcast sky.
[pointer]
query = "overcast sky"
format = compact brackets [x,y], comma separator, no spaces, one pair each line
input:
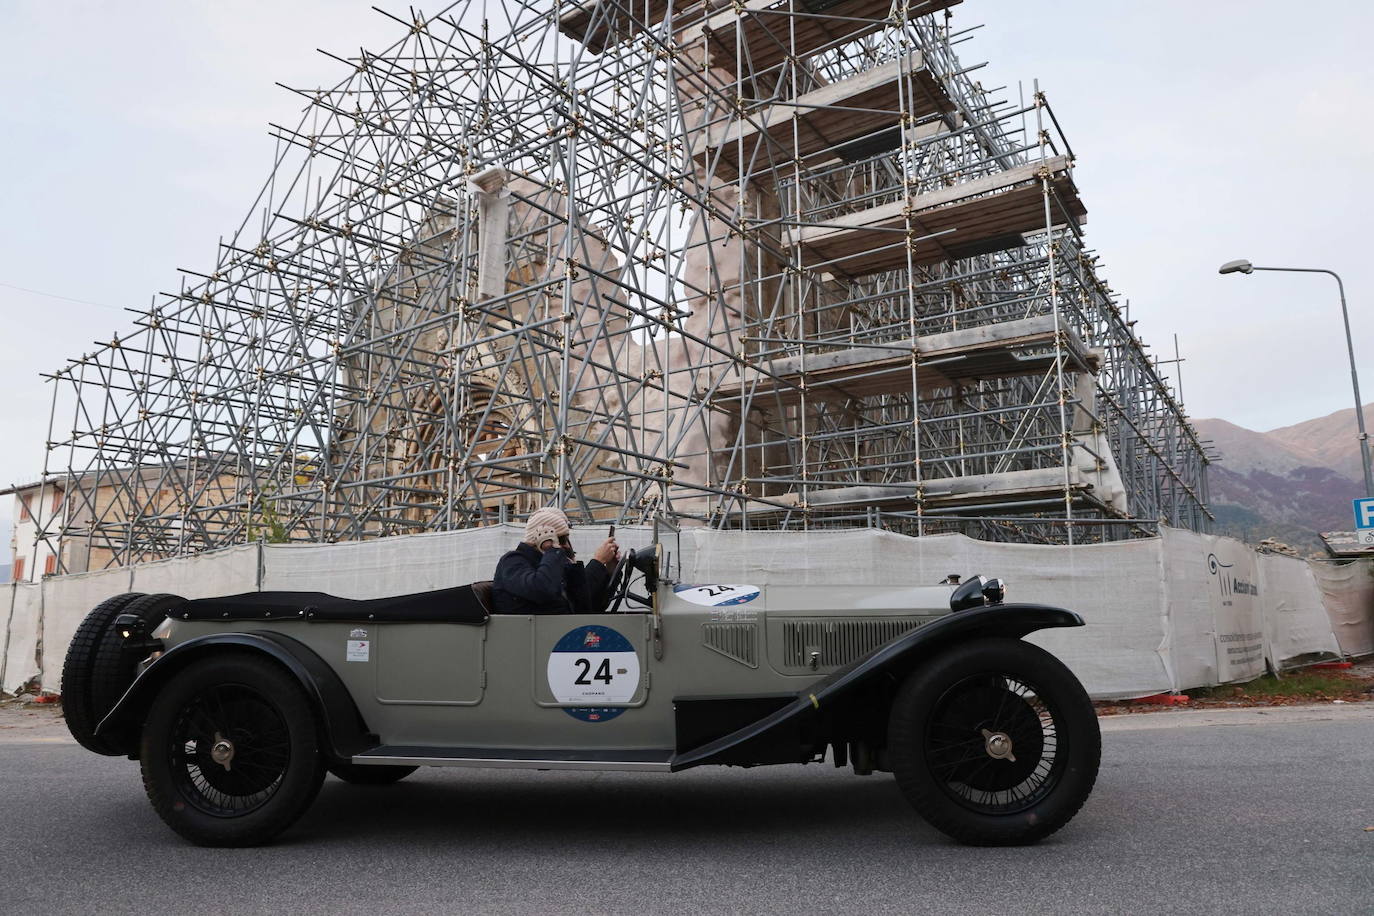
[135,136]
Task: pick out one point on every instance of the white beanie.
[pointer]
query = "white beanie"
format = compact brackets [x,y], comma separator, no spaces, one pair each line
[546,524]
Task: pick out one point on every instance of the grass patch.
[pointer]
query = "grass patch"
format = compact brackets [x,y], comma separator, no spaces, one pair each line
[1312,685]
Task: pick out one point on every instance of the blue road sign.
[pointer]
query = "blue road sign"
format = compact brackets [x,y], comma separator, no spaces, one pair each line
[1364,520]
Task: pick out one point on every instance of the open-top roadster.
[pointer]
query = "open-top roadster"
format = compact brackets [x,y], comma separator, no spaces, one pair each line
[236,706]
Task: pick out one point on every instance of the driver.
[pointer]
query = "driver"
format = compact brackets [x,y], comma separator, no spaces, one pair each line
[540,576]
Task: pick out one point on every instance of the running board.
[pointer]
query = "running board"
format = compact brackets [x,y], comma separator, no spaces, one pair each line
[654,760]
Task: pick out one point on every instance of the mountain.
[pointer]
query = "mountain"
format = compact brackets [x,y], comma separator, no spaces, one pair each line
[1328,441]
[1288,483]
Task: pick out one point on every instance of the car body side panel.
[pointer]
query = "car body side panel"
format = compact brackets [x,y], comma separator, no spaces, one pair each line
[828,696]
[344,731]
[498,685]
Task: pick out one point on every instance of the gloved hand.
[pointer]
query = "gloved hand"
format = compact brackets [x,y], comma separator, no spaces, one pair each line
[546,536]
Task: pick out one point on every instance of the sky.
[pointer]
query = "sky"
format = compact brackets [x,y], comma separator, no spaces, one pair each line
[135,135]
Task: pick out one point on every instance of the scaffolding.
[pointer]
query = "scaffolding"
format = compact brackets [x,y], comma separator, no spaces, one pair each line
[765,264]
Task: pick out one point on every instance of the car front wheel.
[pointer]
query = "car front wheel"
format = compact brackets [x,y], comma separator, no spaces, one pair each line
[230,751]
[994,742]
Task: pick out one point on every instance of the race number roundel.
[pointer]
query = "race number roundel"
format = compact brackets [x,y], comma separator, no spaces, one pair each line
[593,666]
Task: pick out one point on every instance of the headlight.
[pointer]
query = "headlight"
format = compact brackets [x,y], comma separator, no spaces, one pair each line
[978,591]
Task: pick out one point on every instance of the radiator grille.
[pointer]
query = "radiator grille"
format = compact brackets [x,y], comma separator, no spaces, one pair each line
[738,641]
[839,642]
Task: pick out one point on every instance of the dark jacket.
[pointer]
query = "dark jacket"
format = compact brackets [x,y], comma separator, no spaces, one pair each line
[528,582]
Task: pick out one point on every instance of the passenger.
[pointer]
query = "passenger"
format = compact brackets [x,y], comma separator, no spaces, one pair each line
[540,576]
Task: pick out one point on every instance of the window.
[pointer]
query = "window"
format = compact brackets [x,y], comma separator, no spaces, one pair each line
[17,573]
[50,564]
[57,501]
[24,515]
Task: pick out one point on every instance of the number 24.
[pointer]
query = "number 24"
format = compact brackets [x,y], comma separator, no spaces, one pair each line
[603,671]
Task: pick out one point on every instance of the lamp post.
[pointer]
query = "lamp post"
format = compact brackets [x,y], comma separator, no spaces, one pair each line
[1245,267]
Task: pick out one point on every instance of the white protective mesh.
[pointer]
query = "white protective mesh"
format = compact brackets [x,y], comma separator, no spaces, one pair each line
[1216,629]
[23,606]
[1296,623]
[1348,595]
[415,563]
[1183,610]
[1114,586]
[221,572]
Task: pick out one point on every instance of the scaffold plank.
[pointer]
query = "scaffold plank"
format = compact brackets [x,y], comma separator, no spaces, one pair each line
[974,217]
[841,113]
[968,492]
[768,32]
[988,351]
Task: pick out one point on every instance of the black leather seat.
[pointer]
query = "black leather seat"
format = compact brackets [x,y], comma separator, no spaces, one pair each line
[484,596]
[449,605]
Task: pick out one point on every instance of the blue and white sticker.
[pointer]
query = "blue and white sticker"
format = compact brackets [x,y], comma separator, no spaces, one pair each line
[591,667]
[717,595]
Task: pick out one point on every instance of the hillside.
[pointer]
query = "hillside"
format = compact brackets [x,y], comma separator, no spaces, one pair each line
[1289,483]
[1328,441]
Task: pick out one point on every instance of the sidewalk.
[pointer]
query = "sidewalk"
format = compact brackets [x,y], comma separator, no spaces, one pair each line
[1248,715]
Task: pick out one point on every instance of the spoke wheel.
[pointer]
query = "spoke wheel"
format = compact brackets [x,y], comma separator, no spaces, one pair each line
[994,742]
[230,751]
[993,745]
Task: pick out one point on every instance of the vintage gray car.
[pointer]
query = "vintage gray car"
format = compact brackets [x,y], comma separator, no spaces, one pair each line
[237,706]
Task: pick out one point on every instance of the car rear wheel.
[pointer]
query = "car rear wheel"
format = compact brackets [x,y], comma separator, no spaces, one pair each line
[994,742]
[230,751]
[82,713]
[370,775]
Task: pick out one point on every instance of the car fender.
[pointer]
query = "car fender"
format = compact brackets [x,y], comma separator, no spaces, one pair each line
[830,694]
[343,732]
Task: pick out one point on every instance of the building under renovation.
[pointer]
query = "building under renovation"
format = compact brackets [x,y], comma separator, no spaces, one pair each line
[778,264]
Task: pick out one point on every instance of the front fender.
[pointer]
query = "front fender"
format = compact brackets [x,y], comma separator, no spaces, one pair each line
[830,694]
[343,732]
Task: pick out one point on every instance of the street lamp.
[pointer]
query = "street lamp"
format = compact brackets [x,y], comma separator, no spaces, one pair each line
[1245,267]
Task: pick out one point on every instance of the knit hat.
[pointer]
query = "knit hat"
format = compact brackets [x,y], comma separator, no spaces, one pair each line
[547,524]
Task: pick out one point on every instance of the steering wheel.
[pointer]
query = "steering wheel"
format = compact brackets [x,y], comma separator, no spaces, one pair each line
[618,586]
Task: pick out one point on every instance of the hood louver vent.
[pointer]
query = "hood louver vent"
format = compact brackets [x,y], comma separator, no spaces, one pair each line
[837,642]
[737,641]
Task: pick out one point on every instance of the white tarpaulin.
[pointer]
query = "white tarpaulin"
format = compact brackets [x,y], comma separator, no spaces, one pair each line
[1114,586]
[1296,623]
[1348,595]
[229,571]
[414,563]
[1168,613]
[1216,618]
[23,607]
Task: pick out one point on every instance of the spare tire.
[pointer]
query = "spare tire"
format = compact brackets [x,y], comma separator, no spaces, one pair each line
[114,668]
[82,717]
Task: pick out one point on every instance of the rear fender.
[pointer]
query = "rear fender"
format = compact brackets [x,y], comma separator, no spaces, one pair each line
[802,722]
[343,732]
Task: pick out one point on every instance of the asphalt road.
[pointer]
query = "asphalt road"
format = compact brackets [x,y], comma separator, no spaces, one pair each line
[1257,812]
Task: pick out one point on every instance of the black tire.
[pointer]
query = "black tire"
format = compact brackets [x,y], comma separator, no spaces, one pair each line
[81,713]
[263,713]
[370,775]
[945,739]
[113,668]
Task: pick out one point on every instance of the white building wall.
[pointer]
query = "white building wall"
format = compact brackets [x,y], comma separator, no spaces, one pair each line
[25,544]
